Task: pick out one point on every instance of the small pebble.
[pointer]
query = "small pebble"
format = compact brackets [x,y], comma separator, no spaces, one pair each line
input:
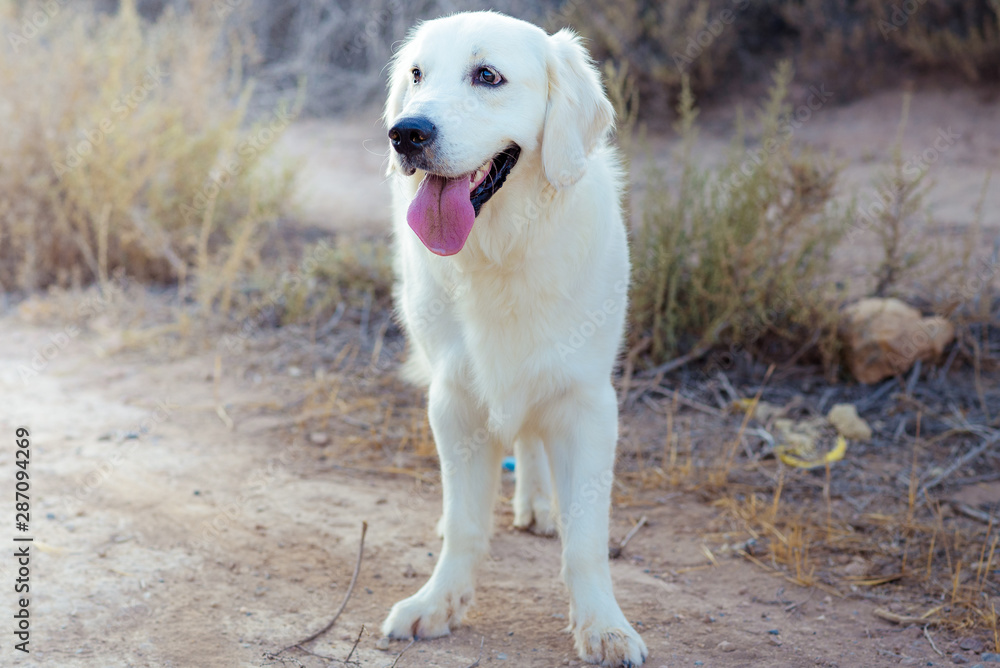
[382,643]
[990,657]
[958,658]
[971,644]
[726,646]
[319,438]
[501,657]
[774,632]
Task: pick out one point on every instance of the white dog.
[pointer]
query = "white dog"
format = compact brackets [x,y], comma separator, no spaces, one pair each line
[513,268]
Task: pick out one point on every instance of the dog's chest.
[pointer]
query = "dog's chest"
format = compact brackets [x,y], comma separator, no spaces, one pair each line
[510,327]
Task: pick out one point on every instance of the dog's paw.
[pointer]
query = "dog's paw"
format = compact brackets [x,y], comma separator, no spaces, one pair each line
[534,514]
[611,646]
[426,614]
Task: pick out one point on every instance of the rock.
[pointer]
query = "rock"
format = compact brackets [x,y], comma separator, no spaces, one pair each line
[382,643]
[845,418]
[726,646]
[971,645]
[319,438]
[884,337]
[858,567]
[990,657]
[958,658]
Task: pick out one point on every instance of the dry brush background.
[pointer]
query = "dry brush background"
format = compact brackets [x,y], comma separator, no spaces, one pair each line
[145,201]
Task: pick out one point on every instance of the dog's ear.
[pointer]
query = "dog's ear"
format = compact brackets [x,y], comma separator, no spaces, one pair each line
[578,115]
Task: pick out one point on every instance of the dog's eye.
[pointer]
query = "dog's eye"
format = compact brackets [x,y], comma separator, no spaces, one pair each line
[489,76]
[417,75]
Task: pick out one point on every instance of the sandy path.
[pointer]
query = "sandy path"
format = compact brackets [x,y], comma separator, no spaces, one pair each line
[129,573]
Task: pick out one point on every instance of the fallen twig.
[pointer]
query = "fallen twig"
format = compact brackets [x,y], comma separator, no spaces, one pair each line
[962,461]
[355,646]
[350,590]
[924,620]
[617,550]
[412,640]
[728,386]
[677,362]
[974,513]
[476,662]
[931,641]
[684,401]
[791,607]
[220,410]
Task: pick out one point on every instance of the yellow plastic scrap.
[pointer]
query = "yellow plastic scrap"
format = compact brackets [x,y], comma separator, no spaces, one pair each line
[807,458]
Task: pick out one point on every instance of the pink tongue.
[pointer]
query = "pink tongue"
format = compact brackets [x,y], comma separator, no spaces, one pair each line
[441,214]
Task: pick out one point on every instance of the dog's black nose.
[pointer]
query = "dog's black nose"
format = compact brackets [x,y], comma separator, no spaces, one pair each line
[412,135]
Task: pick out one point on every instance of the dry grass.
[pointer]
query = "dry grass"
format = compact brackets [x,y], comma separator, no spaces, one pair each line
[739,255]
[845,531]
[130,154]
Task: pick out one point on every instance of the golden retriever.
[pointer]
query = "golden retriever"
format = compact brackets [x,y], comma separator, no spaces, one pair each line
[513,270]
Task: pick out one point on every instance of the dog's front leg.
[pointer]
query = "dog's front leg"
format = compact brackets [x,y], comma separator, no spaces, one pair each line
[581,446]
[470,471]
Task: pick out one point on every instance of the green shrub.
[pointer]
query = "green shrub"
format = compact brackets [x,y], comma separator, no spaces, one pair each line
[739,256]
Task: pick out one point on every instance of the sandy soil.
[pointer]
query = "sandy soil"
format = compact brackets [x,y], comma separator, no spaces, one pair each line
[167,539]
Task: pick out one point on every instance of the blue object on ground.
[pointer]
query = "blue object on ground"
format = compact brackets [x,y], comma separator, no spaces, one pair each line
[508,463]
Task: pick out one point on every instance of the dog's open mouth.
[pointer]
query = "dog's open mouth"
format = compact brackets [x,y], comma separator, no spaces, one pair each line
[444,209]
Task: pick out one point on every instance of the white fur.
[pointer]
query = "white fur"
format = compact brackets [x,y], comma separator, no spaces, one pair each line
[516,335]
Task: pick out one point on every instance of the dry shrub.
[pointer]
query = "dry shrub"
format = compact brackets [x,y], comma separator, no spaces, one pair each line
[739,255]
[350,273]
[719,43]
[872,526]
[125,150]
[937,569]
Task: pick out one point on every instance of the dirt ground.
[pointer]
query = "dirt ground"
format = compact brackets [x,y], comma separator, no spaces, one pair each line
[168,534]
[191,544]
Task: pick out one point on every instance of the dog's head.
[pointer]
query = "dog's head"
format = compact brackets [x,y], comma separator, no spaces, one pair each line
[472,94]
